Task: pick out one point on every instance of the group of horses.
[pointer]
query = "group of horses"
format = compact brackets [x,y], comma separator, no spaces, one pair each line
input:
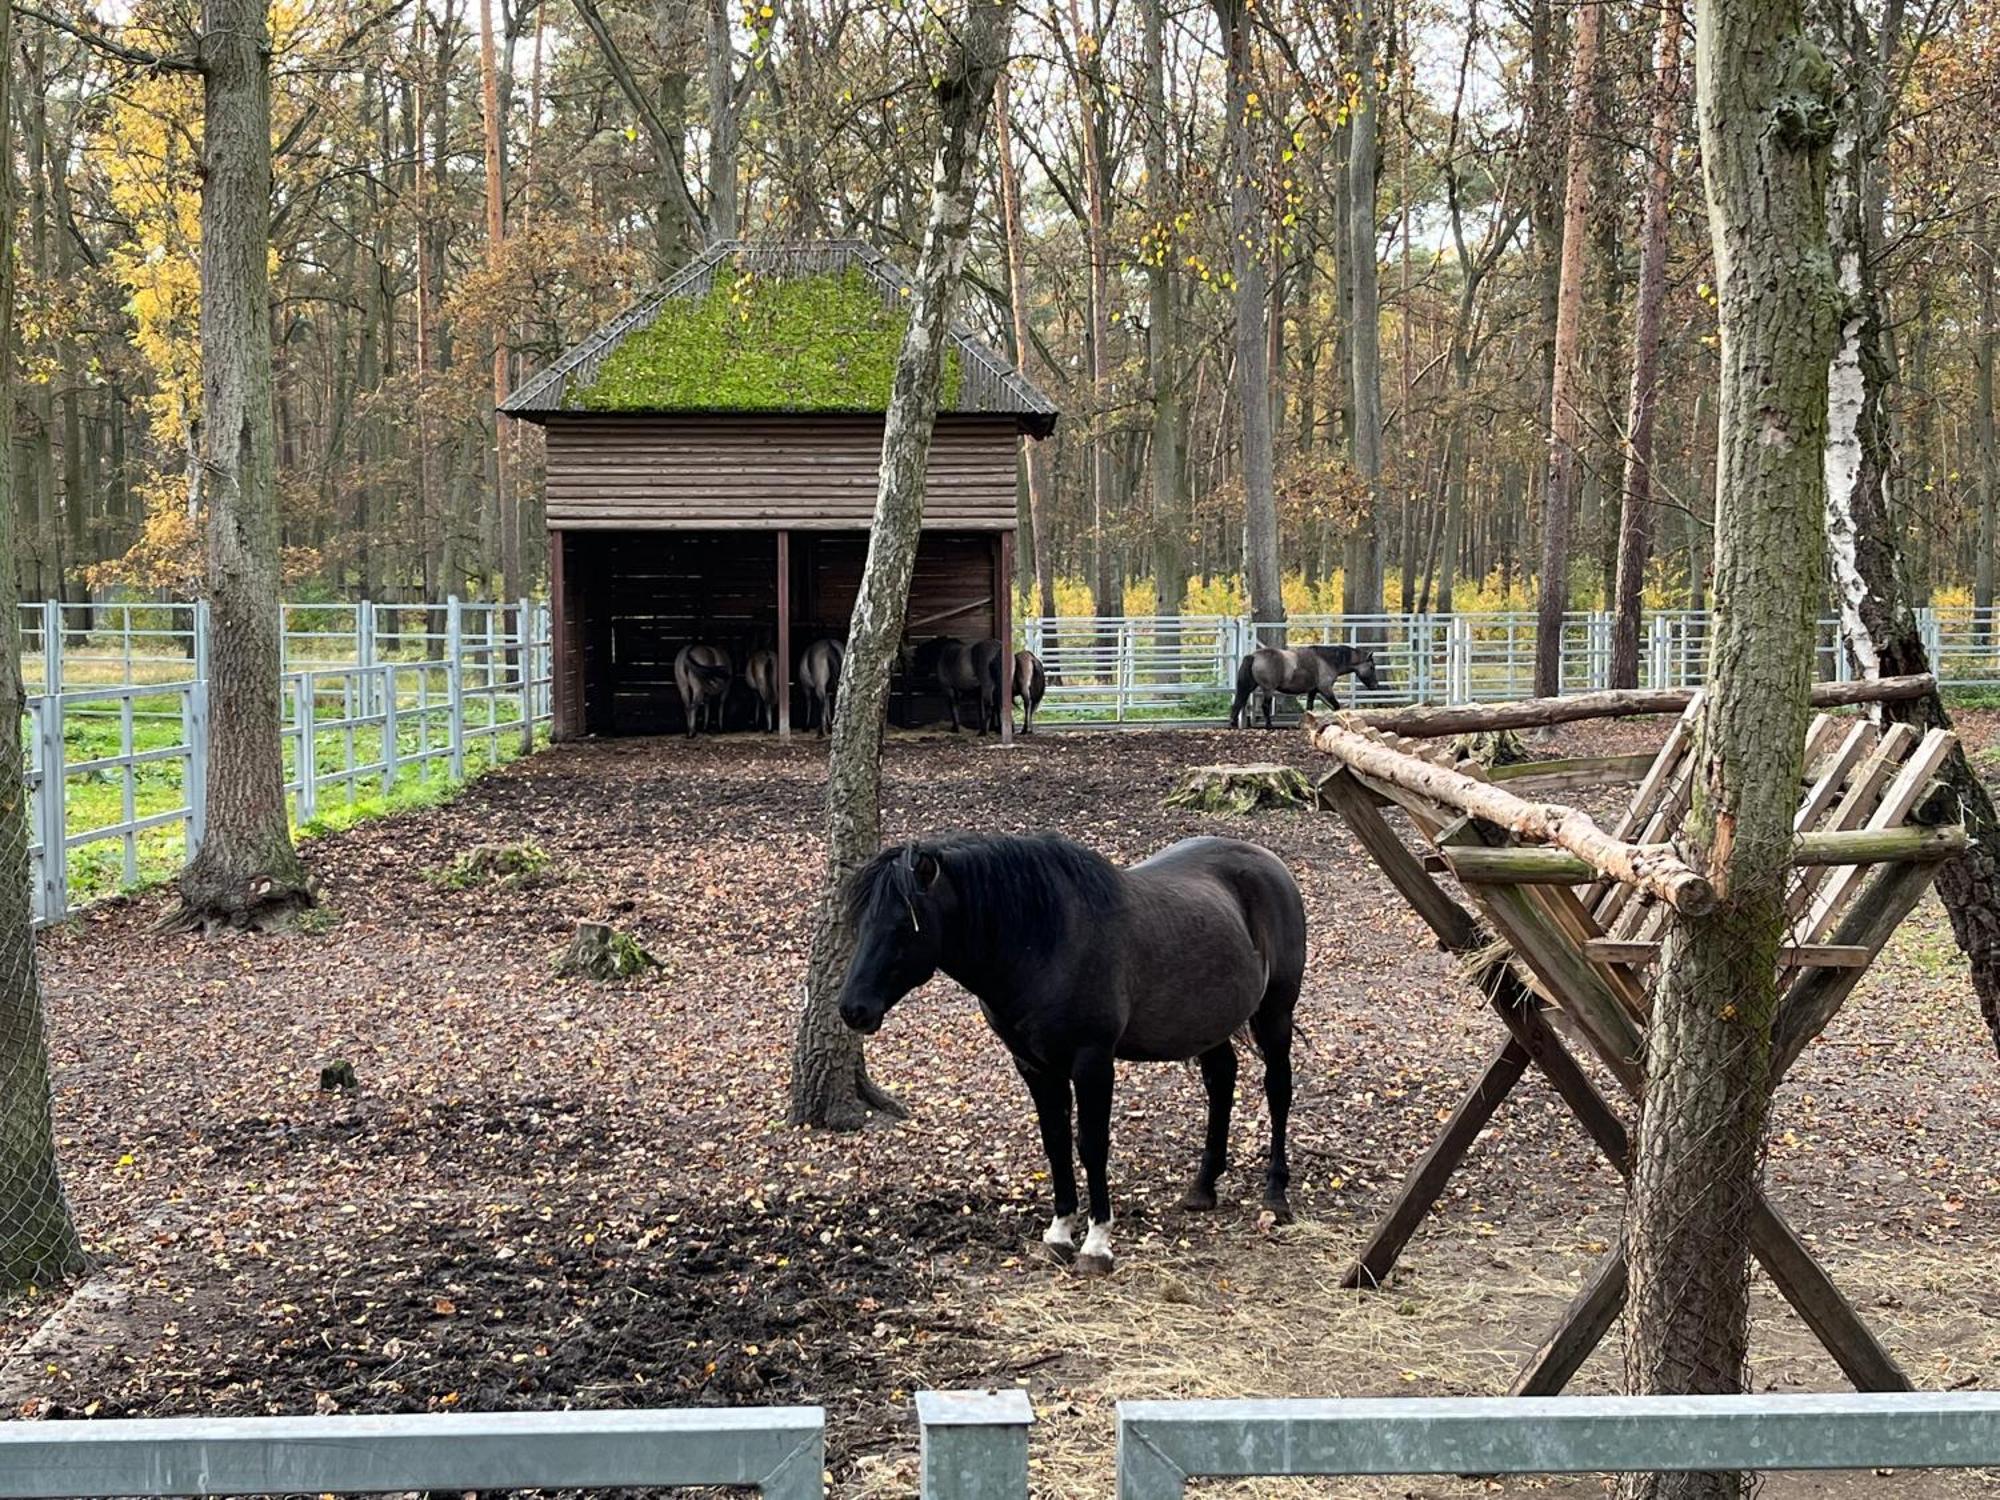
[960,670]
[704,674]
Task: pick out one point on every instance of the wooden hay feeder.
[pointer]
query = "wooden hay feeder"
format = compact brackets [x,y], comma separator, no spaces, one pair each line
[1568,932]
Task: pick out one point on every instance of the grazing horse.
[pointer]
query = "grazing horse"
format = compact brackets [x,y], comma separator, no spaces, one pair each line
[761,671]
[959,668]
[819,675]
[1076,962]
[1311,670]
[703,675]
[1030,683]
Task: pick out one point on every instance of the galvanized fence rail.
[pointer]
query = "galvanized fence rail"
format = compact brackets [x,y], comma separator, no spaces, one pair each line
[779,1451]
[975,1445]
[1182,669]
[376,698]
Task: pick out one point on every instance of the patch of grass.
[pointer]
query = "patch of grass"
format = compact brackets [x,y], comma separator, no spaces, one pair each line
[511,865]
[1970,697]
[408,797]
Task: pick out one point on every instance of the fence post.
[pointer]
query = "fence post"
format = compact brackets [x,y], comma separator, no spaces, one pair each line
[52,648]
[364,652]
[526,657]
[454,679]
[53,827]
[974,1444]
[308,758]
[387,688]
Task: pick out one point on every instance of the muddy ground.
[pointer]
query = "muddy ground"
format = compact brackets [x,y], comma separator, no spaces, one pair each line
[556,1193]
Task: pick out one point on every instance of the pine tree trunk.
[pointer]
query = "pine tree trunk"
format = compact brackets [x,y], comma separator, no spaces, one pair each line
[1361,588]
[1566,393]
[1764,137]
[1041,541]
[1635,516]
[724,123]
[506,503]
[246,871]
[1108,597]
[38,1244]
[1878,626]
[830,1085]
[1985,251]
[1168,472]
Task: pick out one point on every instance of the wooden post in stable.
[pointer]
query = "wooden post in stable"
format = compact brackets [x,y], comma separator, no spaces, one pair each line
[784,633]
[1003,614]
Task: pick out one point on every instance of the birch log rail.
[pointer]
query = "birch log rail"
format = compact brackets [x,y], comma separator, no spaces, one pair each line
[1653,868]
[1538,713]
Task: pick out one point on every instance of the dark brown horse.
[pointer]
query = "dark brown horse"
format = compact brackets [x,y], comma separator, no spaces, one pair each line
[959,669]
[1077,964]
[1308,670]
[1030,683]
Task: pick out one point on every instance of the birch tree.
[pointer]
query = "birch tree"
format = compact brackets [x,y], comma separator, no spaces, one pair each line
[1362,583]
[246,872]
[830,1083]
[38,1244]
[1762,103]
[1040,543]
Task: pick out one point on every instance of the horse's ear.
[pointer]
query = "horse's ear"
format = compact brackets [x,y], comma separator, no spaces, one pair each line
[924,865]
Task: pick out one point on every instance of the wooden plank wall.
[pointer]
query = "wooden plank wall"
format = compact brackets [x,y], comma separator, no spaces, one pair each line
[631,600]
[802,472]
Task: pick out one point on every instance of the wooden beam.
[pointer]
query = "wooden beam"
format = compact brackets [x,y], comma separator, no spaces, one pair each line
[1537,713]
[1579,1331]
[1567,775]
[1433,1169]
[784,635]
[1796,956]
[1656,869]
[1881,846]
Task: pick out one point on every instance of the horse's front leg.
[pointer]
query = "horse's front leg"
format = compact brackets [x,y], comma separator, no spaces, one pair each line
[1092,1073]
[1050,1091]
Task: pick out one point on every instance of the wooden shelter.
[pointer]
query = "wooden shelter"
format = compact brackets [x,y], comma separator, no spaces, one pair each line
[1573,916]
[712,458]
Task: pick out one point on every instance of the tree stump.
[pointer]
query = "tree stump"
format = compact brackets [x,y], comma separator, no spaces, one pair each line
[1490,747]
[338,1075]
[601,951]
[509,864]
[1242,789]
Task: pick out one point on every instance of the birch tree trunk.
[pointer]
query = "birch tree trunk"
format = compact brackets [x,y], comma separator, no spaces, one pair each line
[1635,515]
[1878,625]
[830,1084]
[725,131]
[1361,587]
[1765,125]
[38,1244]
[247,872]
[1041,543]
[506,504]
[1252,349]
[1566,384]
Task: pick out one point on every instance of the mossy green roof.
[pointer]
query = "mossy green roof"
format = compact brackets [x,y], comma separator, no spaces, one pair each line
[763,344]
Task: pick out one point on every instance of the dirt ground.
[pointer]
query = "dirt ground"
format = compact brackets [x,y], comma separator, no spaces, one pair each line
[556,1193]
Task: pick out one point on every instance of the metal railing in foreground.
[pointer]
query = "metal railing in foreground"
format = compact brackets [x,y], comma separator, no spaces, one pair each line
[1164,1444]
[975,1444]
[779,1451]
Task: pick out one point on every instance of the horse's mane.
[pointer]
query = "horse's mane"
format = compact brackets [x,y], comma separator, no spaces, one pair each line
[1024,885]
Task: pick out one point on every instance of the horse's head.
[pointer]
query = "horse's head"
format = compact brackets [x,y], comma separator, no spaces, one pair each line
[896,906]
[1364,669]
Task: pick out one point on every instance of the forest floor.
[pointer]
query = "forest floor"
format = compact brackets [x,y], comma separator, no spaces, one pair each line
[555,1193]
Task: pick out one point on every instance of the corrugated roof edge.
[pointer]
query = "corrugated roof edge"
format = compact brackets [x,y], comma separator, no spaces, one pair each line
[989,383]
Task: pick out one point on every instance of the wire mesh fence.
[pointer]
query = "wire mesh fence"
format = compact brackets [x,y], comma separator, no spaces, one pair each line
[378,700]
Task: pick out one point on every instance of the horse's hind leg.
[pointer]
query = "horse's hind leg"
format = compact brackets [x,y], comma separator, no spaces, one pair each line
[1272,1027]
[1218,1076]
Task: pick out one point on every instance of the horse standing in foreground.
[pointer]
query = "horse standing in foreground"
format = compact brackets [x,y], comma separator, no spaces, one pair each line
[1309,670]
[1076,962]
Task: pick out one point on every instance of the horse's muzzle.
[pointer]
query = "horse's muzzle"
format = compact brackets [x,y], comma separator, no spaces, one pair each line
[860,1018]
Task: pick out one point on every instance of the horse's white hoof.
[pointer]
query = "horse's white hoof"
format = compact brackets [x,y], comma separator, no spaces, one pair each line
[1093,1265]
[1059,1235]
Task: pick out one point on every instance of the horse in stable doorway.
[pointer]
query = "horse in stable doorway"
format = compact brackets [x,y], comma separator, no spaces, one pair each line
[1077,964]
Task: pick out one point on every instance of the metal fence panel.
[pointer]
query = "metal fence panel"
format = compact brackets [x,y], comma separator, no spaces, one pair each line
[1163,1444]
[974,1444]
[777,1450]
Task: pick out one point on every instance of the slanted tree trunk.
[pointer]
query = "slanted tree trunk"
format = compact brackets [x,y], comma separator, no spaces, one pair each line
[1169,467]
[1252,294]
[1761,93]
[1361,588]
[1635,515]
[1566,392]
[38,1244]
[1878,626]
[830,1085]
[1041,543]
[246,871]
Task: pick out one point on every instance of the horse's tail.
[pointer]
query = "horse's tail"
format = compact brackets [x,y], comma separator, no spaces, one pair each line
[1246,684]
